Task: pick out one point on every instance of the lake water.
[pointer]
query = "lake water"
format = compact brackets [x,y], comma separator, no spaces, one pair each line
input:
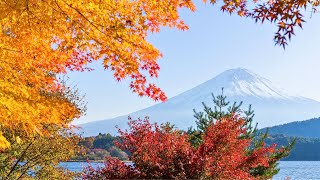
[299,170]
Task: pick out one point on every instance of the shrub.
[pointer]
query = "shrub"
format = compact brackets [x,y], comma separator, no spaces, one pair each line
[224,145]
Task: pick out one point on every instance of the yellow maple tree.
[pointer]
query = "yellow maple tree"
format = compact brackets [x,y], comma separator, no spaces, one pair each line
[42,38]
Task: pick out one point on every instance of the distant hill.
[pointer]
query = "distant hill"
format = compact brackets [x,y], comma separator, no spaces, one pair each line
[272,105]
[307,129]
[98,147]
[305,149]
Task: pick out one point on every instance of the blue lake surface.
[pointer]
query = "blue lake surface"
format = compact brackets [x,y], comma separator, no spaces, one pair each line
[300,170]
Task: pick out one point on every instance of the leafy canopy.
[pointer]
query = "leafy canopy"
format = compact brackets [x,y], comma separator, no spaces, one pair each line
[42,38]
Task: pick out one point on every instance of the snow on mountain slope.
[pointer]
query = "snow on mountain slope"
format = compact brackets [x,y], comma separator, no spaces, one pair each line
[272,105]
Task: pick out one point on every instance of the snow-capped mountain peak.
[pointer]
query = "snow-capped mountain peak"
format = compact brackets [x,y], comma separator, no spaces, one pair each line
[236,82]
[272,105]
[236,74]
[246,83]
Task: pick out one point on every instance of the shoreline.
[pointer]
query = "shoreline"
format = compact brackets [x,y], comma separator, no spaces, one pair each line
[95,161]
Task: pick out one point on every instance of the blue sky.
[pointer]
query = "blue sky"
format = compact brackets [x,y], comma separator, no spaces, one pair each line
[215,42]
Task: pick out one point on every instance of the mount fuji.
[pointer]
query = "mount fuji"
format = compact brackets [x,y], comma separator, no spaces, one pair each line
[272,106]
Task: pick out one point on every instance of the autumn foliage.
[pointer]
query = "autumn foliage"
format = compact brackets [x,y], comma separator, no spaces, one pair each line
[227,148]
[40,39]
[38,157]
[286,15]
[226,154]
[162,152]
[37,154]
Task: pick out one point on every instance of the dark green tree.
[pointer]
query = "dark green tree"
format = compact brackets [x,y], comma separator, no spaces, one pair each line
[222,110]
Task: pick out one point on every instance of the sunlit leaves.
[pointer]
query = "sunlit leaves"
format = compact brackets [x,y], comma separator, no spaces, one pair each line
[40,39]
[4,143]
[38,156]
[86,30]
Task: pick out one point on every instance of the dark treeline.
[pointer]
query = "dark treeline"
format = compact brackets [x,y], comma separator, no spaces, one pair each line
[98,147]
[308,129]
[308,139]
[305,149]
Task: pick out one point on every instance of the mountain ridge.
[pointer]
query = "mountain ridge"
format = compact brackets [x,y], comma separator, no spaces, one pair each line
[307,129]
[239,85]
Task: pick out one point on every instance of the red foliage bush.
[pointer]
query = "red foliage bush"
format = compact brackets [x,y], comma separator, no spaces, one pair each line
[224,155]
[165,152]
[158,152]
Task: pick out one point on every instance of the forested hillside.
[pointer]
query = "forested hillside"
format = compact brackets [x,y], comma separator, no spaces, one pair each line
[308,138]
[308,129]
[305,149]
[98,147]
